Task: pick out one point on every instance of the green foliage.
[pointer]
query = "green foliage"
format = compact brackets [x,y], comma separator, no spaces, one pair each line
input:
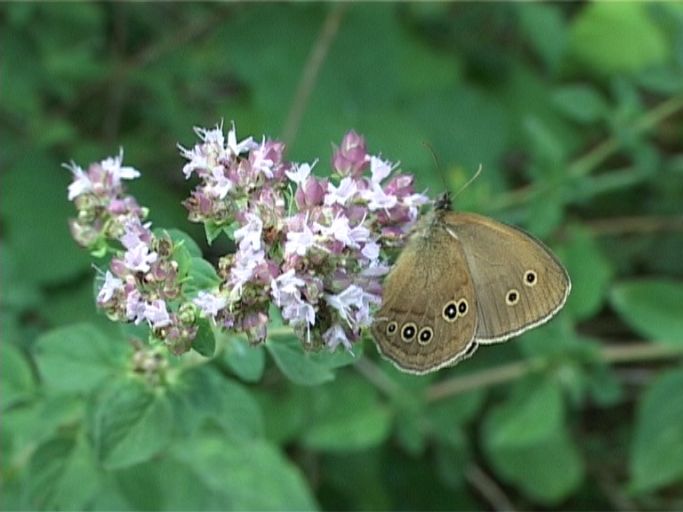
[527,442]
[652,308]
[658,441]
[574,112]
[129,423]
[634,40]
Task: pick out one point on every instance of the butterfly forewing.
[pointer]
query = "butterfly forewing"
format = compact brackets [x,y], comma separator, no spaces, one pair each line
[428,316]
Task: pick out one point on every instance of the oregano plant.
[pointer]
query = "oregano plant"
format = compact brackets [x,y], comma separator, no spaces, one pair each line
[308,249]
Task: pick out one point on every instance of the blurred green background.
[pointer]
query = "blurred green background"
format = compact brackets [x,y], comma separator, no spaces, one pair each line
[575,112]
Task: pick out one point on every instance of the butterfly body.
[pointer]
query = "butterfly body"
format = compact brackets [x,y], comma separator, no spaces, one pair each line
[463,280]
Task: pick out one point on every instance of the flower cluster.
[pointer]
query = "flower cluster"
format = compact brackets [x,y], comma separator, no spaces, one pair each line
[142,280]
[312,247]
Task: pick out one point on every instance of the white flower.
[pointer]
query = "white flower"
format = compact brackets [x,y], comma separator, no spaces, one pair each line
[197,160]
[243,268]
[81,183]
[209,303]
[221,185]
[133,233]
[249,235]
[212,137]
[352,297]
[285,285]
[236,148]
[299,242]
[341,194]
[111,284]
[415,200]
[112,166]
[370,250]
[379,168]
[286,293]
[375,269]
[259,161]
[298,311]
[157,314]
[378,199]
[138,258]
[300,173]
[135,307]
[334,336]
[340,230]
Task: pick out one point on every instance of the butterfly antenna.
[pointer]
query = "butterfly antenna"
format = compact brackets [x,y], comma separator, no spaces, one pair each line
[476,175]
[436,163]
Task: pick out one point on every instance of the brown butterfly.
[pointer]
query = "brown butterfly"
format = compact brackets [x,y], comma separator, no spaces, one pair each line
[464,280]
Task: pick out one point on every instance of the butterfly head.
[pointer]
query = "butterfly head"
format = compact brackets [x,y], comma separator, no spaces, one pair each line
[443,201]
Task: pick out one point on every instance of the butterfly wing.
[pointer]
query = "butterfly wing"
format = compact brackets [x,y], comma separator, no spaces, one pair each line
[428,316]
[519,283]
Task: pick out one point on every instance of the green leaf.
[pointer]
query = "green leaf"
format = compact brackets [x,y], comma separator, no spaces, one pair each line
[180,238]
[202,276]
[24,428]
[614,37]
[348,416]
[286,413]
[251,475]
[35,215]
[533,412]
[130,423]
[297,365]
[657,451]
[244,360]
[214,230]
[527,444]
[590,272]
[16,378]
[651,307]
[580,103]
[202,393]
[78,358]
[444,415]
[545,26]
[205,341]
[64,475]
[339,358]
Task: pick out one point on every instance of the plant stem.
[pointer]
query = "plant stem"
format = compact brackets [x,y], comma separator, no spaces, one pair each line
[616,354]
[640,224]
[591,160]
[311,70]
[488,488]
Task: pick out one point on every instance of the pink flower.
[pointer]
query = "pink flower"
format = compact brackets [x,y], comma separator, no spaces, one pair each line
[350,158]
